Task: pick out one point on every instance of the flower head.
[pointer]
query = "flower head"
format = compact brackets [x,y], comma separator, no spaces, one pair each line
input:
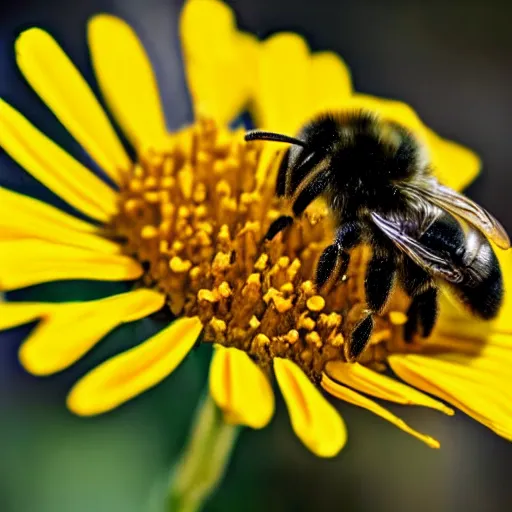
[184,222]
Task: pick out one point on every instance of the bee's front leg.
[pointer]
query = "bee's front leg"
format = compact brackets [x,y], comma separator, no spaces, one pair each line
[335,258]
[380,278]
[422,312]
[280,224]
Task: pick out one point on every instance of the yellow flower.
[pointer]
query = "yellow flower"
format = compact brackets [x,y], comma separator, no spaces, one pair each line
[182,224]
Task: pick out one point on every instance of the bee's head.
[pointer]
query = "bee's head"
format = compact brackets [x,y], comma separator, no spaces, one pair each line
[363,145]
[357,143]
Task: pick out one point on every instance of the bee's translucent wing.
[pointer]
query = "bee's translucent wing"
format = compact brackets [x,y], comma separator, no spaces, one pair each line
[459,205]
[419,253]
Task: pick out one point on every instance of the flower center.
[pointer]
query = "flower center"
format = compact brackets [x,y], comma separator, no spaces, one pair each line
[195,212]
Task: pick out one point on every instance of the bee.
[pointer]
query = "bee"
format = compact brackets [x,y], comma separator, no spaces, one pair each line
[378,182]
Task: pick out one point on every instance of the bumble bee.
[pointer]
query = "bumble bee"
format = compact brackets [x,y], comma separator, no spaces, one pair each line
[377,180]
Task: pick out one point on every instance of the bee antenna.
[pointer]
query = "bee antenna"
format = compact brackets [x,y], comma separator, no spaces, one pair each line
[276,137]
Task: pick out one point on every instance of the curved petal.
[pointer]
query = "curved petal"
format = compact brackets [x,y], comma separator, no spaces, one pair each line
[53,76]
[352,397]
[37,211]
[13,314]
[479,385]
[453,164]
[27,262]
[240,389]
[23,217]
[390,110]
[372,383]
[315,421]
[127,81]
[331,82]
[53,167]
[218,60]
[131,373]
[294,86]
[56,343]
[282,102]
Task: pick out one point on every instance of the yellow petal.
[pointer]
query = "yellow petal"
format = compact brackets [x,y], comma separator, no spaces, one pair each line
[454,165]
[294,86]
[389,110]
[13,314]
[315,421]
[240,389]
[282,102]
[126,79]
[480,387]
[330,80]
[376,384]
[53,167]
[131,373]
[475,358]
[53,76]
[68,331]
[327,86]
[352,397]
[27,262]
[219,60]
[24,217]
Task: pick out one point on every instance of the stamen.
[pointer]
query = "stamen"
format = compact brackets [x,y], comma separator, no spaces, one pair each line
[193,214]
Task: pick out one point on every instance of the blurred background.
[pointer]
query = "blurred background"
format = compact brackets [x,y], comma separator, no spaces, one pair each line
[452,63]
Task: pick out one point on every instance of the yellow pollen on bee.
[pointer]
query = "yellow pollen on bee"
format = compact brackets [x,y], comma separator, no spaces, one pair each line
[193,213]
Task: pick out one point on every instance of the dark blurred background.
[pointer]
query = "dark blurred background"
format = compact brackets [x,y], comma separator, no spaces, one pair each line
[449,60]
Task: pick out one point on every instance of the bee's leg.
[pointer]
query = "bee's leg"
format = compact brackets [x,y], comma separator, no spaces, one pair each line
[379,280]
[327,263]
[335,260]
[359,338]
[302,168]
[277,226]
[422,314]
[335,256]
[311,191]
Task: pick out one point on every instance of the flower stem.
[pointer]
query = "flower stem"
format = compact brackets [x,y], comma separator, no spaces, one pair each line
[204,460]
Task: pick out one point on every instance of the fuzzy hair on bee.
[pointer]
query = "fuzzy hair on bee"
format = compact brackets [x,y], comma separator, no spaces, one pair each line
[377,180]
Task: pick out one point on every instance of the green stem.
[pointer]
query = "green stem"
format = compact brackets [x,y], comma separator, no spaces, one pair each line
[204,460]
